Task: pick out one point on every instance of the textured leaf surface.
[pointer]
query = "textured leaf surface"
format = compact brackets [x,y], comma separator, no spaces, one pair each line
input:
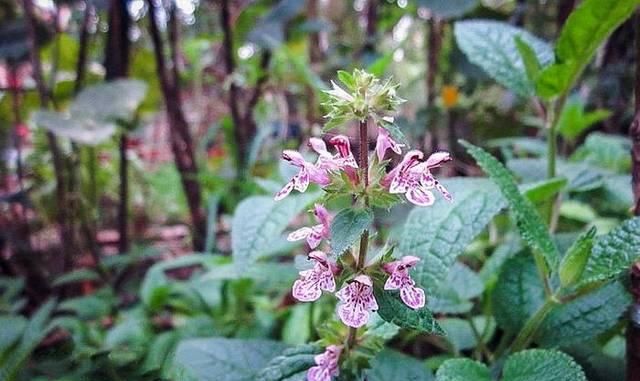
[439,233]
[491,45]
[587,27]
[518,293]
[614,253]
[347,226]
[453,296]
[291,363]
[585,317]
[390,365]
[576,257]
[532,229]
[393,310]
[224,359]
[259,221]
[463,370]
[540,364]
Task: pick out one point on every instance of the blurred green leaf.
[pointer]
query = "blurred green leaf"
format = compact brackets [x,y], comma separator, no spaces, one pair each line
[491,45]
[574,261]
[574,120]
[292,364]
[390,365]
[448,9]
[587,27]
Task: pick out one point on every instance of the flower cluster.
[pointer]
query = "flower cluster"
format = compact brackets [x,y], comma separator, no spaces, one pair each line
[336,164]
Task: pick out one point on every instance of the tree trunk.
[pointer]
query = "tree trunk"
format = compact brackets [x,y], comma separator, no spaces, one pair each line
[180,137]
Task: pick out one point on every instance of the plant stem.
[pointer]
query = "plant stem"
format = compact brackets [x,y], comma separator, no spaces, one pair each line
[363,163]
[531,326]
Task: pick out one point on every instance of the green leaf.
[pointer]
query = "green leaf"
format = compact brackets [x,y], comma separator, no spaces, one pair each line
[292,362]
[439,233]
[448,9]
[574,261]
[545,189]
[585,317]
[460,333]
[346,78]
[519,293]
[80,130]
[613,253]
[540,364]
[587,27]
[380,65]
[491,45]
[393,310]
[160,351]
[259,221]
[463,370]
[573,119]
[80,275]
[346,228]
[11,329]
[222,359]
[390,365]
[529,365]
[605,151]
[109,101]
[533,230]
[35,331]
[529,58]
[461,285]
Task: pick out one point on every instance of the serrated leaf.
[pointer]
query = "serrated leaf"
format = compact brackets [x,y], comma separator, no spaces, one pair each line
[585,317]
[491,45]
[390,365]
[259,221]
[292,362]
[463,370]
[439,233]
[519,293]
[393,310]
[613,253]
[221,359]
[532,229]
[346,228]
[574,261]
[541,364]
[587,27]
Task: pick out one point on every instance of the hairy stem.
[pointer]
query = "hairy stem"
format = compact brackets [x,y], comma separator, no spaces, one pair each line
[363,163]
[530,328]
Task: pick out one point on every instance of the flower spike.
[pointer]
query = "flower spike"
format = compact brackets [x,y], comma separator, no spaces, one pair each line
[317,233]
[399,279]
[356,302]
[321,277]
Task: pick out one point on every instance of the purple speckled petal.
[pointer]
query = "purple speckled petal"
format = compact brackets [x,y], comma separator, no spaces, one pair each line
[412,296]
[284,192]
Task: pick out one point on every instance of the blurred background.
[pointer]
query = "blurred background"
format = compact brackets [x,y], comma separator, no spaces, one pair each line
[131,129]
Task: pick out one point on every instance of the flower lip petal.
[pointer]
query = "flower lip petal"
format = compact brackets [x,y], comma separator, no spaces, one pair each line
[318,256]
[294,157]
[409,260]
[363,279]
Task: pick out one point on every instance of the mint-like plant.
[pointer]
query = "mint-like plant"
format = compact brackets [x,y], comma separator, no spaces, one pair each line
[364,285]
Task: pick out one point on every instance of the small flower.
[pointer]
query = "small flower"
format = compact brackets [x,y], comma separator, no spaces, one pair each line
[316,233]
[308,173]
[356,302]
[321,277]
[326,365]
[385,142]
[345,156]
[399,279]
[413,177]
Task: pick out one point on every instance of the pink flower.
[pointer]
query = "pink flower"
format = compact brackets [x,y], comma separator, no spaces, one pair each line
[326,365]
[385,142]
[345,156]
[321,277]
[316,233]
[326,160]
[400,279]
[12,77]
[413,177]
[308,173]
[356,302]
